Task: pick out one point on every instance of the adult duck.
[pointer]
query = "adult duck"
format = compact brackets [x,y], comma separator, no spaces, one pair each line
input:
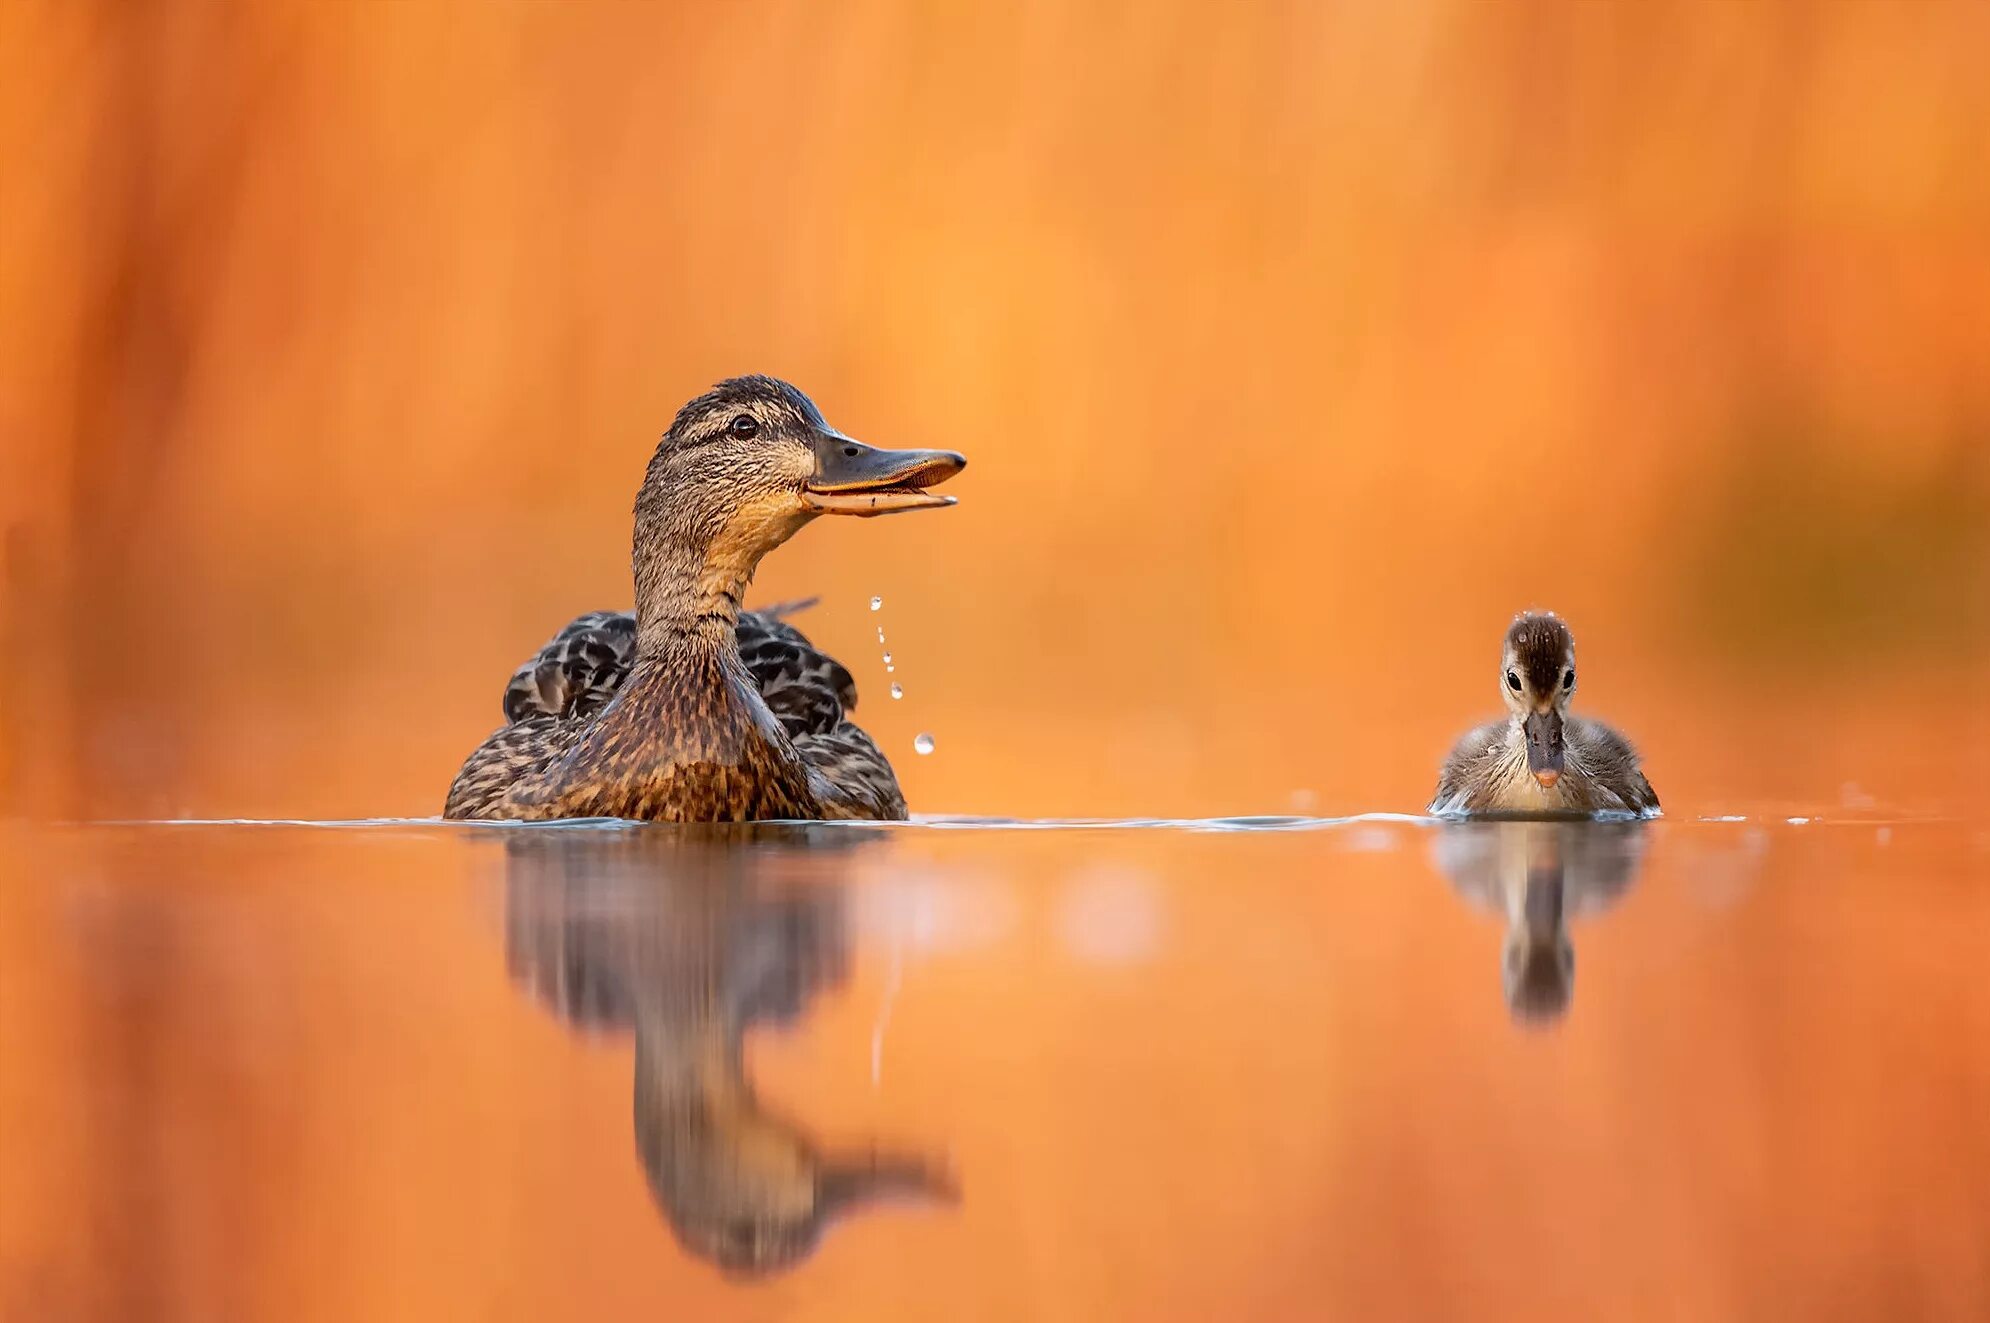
[688,710]
[1538,758]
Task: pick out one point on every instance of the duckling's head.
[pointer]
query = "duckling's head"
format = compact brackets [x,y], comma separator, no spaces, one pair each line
[1537,679]
[743,467]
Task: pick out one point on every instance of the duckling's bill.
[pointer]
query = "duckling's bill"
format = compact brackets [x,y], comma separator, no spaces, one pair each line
[1545,752]
[855,479]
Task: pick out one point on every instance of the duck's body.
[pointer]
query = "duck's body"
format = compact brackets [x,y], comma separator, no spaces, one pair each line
[778,721]
[687,710]
[1540,759]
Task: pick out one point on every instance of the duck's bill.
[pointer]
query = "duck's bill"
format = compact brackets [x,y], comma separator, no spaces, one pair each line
[1544,746]
[855,479]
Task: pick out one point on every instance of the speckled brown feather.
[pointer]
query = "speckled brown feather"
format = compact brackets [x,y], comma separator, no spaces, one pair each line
[580,668]
[684,739]
[553,700]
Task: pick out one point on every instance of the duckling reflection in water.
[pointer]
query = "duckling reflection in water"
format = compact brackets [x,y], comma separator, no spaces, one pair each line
[690,943]
[1538,874]
[1539,758]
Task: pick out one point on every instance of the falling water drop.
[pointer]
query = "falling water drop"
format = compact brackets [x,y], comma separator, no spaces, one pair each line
[922,743]
[877,604]
[887,659]
[897,689]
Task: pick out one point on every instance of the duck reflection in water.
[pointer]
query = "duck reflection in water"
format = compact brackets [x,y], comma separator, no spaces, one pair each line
[1539,874]
[691,937]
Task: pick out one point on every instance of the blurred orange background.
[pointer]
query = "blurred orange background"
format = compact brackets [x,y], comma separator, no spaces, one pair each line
[1294,346]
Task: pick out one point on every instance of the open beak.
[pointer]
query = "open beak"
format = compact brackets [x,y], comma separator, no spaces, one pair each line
[855,479]
[1544,747]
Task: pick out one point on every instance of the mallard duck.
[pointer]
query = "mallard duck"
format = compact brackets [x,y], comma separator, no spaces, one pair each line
[686,940]
[1539,758]
[687,710]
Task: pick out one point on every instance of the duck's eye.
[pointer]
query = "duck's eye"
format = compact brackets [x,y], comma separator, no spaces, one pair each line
[745,427]
[1568,679]
[1513,681]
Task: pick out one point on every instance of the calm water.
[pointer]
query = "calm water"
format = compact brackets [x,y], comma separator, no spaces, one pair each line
[1373,1069]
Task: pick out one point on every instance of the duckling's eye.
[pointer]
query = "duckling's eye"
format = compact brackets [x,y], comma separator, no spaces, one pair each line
[1513,681]
[1568,679]
[745,426]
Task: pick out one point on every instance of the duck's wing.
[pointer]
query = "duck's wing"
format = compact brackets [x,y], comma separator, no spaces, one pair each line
[809,690]
[856,780]
[1467,770]
[547,705]
[580,668]
[1610,762]
[811,693]
[517,751]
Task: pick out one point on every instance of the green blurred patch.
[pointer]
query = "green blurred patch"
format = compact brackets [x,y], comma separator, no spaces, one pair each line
[1813,548]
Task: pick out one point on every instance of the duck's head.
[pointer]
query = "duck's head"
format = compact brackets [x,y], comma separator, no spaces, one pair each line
[751,460]
[741,469]
[1537,679]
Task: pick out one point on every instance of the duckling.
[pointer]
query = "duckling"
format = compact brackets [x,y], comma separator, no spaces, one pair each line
[687,710]
[1540,758]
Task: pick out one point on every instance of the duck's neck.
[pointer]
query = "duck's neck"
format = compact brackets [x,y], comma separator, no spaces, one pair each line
[685,602]
[690,580]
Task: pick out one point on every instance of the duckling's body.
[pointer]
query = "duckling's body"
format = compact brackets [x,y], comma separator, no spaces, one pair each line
[687,710]
[1487,773]
[1539,758]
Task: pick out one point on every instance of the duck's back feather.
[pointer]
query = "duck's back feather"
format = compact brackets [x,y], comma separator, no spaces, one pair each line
[552,698]
[577,672]
[583,666]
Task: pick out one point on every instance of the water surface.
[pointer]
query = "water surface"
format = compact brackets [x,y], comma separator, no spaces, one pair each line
[1378,1068]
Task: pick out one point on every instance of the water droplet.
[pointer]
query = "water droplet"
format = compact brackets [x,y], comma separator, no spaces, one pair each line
[897,689]
[887,659]
[877,604]
[922,742]
[880,633]
[889,669]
